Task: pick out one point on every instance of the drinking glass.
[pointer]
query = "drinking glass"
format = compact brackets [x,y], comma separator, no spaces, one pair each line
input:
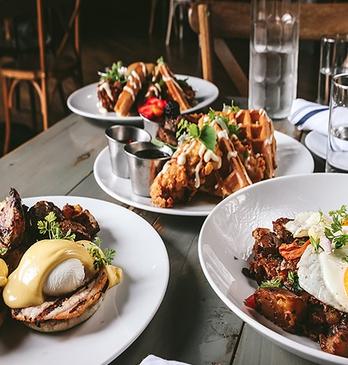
[337,149]
[333,61]
[273,56]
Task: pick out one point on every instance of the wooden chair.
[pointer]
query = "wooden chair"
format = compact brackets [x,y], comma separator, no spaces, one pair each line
[37,72]
[219,20]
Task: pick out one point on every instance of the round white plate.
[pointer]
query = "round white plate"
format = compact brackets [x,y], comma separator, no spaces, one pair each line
[126,310]
[316,143]
[292,158]
[84,101]
[225,241]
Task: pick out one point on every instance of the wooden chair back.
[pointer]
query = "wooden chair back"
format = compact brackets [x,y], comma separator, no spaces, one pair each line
[216,21]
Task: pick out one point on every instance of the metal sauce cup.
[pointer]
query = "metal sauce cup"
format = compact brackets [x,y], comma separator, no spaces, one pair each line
[118,136]
[151,127]
[144,164]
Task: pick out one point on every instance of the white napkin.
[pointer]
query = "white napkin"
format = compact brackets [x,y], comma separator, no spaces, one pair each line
[309,116]
[154,360]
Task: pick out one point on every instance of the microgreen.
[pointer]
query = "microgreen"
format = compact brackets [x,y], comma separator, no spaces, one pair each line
[51,227]
[231,108]
[114,73]
[160,60]
[223,122]
[3,251]
[294,280]
[206,134]
[335,231]
[101,257]
[315,242]
[273,283]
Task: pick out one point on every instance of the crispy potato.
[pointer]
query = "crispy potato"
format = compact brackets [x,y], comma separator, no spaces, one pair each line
[282,307]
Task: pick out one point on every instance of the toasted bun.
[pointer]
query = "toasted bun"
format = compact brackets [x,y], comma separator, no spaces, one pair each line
[62,325]
[61,314]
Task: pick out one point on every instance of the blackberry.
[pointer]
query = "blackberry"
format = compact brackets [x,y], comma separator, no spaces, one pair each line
[172,109]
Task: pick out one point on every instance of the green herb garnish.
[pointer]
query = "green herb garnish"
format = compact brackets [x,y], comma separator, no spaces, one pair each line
[231,108]
[160,60]
[206,134]
[335,231]
[51,227]
[223,123]
[114,73]
[3,251]
[101,257]
[273,283]
[293,280]
[315,242]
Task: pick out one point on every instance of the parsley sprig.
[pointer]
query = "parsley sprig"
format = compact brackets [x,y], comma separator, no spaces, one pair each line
[273,283]
[334,232]
[223,123]
[294,280]
[231,108]
[51,227]
[114,73]
[206,134]
[101,257]
[3,251]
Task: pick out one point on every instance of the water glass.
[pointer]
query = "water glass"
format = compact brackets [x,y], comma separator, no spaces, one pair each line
[337,149]
[274,56]
[333,61]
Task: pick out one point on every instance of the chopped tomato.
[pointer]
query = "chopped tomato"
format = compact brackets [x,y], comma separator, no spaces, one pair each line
[292,251]
[250,301]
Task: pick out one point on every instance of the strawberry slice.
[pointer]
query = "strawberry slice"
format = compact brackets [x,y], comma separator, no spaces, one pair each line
[250,301]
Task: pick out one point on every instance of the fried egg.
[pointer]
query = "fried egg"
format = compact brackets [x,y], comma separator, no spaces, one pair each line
[325,276]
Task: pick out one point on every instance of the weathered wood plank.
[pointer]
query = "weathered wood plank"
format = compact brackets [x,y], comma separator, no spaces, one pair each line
[255,349]
[54,161]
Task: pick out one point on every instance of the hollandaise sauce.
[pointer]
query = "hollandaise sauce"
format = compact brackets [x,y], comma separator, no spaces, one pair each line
[25,285]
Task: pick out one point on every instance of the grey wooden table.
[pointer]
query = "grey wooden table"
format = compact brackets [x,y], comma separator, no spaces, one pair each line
[192,324]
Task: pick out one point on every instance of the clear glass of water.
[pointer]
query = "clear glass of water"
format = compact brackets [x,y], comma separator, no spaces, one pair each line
[333,61]
[273,56]
[337,149]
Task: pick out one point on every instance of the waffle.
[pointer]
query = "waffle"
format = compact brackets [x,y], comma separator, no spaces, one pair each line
[239,159]
[257,129]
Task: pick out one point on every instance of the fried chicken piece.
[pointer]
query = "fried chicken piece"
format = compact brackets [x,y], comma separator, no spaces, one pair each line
[12,220]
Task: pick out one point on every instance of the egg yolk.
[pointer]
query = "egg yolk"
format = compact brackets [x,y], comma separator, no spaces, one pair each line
[345,281]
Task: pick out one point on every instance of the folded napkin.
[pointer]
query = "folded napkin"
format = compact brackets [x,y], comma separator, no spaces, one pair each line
[154,360]
[309,116]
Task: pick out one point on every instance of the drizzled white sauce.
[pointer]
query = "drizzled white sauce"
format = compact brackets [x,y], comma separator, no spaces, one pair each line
[222,134]
[105,86]
[166,78]
[129,91]
[239,113]
[269,140]
[143,67]
[134,78]
[210,155]
[181,159]
[231,154]
[197,177]
[101,108]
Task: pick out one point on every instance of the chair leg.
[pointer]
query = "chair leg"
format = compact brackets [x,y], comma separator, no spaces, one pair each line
[32,106]
[181,20]
[172,6]
[152,16]
[18,97]
[61,94]
[44,106]
[6,114]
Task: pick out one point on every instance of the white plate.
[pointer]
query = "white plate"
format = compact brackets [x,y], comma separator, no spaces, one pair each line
[226,234]
[84,101]
[126,310]
[292,158]
[316,143]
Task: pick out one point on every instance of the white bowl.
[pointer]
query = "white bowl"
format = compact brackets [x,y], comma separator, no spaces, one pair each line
[226,235]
